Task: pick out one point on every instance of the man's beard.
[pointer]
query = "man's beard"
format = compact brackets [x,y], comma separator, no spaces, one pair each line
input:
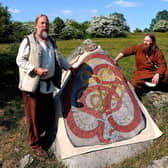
[44,34]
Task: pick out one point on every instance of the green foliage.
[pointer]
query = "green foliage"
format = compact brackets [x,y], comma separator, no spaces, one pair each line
[118,15]
[5,21]
[85,25]
[12,31]
[137,30]
[112,26]
[73,23]
[162,15]
[72,30]
[67,32]
[159,24]
[20,30]
[146,30]
[58,25]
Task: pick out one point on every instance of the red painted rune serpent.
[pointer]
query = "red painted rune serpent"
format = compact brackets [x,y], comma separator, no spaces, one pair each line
[100,89]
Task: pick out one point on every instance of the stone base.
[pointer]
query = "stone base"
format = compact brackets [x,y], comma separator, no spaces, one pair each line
[102,158]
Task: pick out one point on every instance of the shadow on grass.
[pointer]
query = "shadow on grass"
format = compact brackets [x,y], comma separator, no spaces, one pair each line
[11,108]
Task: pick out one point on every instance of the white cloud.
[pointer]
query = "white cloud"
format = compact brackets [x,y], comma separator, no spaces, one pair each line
[109,5]
[14,10]
[165,0]
[126,3]
[52,14]
[66,12]
[93,11]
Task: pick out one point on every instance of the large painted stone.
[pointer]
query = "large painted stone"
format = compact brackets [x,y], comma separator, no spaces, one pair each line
[99,114]
[98,106]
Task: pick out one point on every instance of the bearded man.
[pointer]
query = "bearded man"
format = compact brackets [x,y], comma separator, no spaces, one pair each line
[151,69]
[40,66]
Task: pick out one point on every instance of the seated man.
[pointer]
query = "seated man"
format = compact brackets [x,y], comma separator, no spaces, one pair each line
[151,69]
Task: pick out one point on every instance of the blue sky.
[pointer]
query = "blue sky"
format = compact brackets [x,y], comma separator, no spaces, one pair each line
[138,13]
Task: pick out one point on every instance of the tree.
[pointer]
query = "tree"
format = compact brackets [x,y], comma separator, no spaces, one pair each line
[146,30]
[72,30]
[73,23]
[137,30]
[67,32]
[58,25]
[5,21]
[112,26]
[85,25]
[118,15]
[161,15]
[153,22]
[21,29]
[161,26]
[78,28]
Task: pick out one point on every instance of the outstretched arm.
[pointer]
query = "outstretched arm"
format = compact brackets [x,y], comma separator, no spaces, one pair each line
[118,57]
[64,63]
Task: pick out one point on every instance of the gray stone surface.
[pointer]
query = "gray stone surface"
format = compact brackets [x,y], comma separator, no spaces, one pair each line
[102,158]
[157,98]
[161,163]
[25,161]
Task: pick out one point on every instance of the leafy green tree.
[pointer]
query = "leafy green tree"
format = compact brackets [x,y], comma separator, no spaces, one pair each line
[153,22]
[21,29]
[5,21]
[67,32]
[118,15]
[161,26]
[72,30]
[146,30]
[58,25]
[137,30]
[161,15]
[85,25]
[78,28]
[73,23]
[112,26]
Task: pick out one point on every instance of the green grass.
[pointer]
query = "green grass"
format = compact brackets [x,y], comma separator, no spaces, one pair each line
[13,135]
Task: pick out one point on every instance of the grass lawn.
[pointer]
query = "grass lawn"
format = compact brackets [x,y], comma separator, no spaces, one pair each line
[13,136]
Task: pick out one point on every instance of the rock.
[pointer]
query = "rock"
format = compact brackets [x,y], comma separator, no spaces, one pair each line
[161,163]
[157,98]
[100,119]
[25,161]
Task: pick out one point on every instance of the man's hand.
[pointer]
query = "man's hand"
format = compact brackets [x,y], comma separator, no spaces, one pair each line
[40,71]
[155,78]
